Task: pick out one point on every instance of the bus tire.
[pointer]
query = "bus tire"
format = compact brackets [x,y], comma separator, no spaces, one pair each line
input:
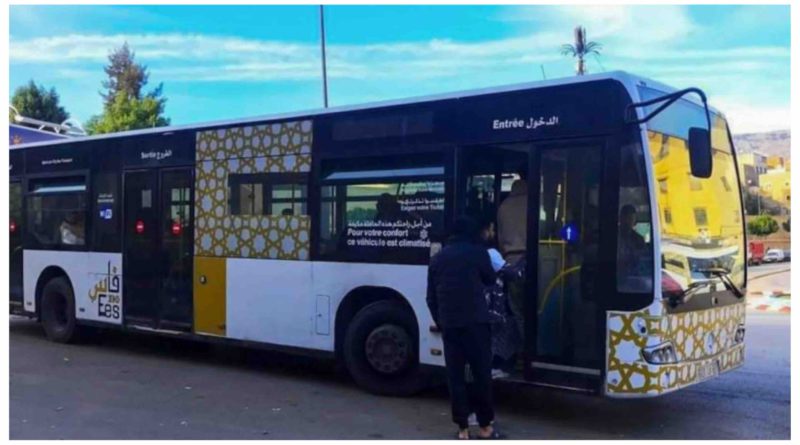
[381,350]
[58,311]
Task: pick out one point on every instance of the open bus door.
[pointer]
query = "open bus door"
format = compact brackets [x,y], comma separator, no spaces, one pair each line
[568,240]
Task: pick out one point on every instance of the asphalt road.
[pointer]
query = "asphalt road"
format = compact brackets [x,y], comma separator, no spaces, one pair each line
[768,278]
[135,387]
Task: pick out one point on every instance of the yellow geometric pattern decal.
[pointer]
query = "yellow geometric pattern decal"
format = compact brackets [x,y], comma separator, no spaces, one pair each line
[269,148]
[703,342]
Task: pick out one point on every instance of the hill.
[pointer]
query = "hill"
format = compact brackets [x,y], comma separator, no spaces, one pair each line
[770,143]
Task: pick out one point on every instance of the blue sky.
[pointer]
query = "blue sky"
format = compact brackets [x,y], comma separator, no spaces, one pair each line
[221,62]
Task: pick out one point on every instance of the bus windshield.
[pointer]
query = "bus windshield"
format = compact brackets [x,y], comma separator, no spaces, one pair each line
[700,219]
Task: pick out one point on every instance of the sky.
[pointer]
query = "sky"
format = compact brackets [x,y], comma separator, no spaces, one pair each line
[225,62]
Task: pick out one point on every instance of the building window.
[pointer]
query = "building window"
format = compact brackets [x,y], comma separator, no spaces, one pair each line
[56,213]
[267,194]
[662,185]
[700,216]
[667,216]
[694,184]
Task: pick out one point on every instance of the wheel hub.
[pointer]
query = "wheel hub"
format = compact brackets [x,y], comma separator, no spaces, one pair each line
[388,349]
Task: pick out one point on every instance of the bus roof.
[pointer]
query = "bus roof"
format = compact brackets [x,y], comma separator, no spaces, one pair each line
[629,81]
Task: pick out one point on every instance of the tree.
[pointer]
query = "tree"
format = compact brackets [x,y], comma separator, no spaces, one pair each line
[128,114]
[37,102]
[762,225]
[787,225]
[580,49]
[126,107]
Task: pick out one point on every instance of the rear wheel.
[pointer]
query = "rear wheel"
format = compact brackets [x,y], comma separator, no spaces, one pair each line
[381,350]
[58,311]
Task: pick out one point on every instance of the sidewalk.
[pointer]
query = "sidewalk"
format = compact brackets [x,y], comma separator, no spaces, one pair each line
[770,291]
[776,301]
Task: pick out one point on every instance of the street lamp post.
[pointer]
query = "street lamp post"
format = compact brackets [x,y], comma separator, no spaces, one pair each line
[324,69]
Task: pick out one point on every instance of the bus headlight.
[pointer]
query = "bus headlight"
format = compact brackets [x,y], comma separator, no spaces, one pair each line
[660,354]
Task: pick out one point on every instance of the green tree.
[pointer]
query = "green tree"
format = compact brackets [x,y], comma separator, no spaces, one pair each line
[580,49]
[126,106]
[128,114]
[37,102]
[762,225]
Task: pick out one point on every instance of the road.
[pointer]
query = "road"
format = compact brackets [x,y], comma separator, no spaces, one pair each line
[769,278]
[134,387]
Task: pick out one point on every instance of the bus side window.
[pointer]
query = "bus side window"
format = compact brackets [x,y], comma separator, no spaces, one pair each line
[276,194]
[56,213]
[381,215]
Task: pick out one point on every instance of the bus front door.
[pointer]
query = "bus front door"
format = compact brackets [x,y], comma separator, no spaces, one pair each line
[563,322]
[158,248]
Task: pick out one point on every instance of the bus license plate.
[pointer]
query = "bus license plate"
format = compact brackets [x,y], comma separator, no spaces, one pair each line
[708,370]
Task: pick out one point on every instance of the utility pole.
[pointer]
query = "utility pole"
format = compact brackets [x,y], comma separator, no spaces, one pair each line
[324,69]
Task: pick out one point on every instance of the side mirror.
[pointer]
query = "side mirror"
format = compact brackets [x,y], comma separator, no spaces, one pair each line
[700,157]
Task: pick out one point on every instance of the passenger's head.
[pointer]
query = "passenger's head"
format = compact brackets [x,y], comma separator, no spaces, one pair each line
[627,216]
[465,228]
[73,218]
[486,229]
[287,212]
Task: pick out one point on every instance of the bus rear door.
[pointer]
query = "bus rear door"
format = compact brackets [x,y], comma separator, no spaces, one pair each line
[158,248]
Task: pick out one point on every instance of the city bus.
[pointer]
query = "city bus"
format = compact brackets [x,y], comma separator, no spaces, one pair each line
[311,232]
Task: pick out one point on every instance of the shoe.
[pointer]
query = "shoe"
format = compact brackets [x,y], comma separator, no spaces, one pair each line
[496,435]
[499,374]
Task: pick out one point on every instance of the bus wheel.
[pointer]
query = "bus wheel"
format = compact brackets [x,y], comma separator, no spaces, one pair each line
[58,311]
[381,350]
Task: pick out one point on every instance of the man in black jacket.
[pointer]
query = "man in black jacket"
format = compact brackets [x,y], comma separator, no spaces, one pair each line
[456,278]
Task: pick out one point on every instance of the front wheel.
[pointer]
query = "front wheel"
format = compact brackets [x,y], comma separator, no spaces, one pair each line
[381,350]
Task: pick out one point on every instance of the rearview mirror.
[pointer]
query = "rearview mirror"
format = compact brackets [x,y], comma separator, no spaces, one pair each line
[700,157]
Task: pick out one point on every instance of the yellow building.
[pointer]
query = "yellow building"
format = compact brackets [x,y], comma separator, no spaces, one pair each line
[695,211]
[776,185]
[775,162]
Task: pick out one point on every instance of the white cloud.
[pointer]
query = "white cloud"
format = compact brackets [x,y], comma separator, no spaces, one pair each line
[656,41]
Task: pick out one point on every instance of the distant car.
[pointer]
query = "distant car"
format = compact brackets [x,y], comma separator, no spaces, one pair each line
[774,256]
[787,255]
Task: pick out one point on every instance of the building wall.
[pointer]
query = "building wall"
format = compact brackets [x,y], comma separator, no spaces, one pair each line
[777,185]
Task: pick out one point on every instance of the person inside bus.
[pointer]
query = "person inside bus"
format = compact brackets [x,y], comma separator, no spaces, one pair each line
[512,239]
[506,338]
[71,230]
[457,276]
[631,243]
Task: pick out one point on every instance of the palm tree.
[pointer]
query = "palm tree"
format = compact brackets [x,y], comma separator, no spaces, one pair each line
[581,49]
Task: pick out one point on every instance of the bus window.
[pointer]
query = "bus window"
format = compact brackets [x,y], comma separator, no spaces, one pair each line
[394,217]
[634,240]
[56,210]
[277,194]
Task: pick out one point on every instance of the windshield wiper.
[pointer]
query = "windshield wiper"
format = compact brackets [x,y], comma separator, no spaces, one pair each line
[685,295]
[724,275]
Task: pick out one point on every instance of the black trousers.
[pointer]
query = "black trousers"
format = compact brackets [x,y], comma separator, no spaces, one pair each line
[470,345]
